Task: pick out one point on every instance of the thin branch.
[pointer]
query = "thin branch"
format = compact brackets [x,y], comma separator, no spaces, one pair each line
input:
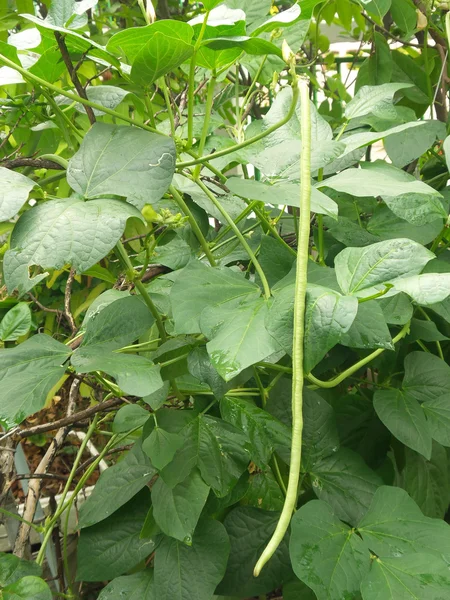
[37,163]
[67,297]
[34,487]
[44,308]
[92,459]
[68,420]
[73,75]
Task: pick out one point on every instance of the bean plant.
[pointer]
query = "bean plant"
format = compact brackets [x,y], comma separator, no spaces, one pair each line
[225,284]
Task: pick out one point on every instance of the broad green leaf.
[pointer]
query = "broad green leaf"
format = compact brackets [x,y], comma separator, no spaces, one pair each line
[379,63]
[426,376]
[199,365]
[349,233]
[388,226]
[215,59]
[369,329]
[118,324]
[102,302]
[26,588]
[426,331]
[263,492]
[320,435]
[376,100]
[328,316]
[426,481]
[129,417]
[256,11]
[177,510]
[345,481]
[135,375]
[403,148]
[408,577]
[237,334]
[167,46]
[293,590]
[220,15]
[394,526]
[326,554]
[405,419]
[437,412]
[217,448]
[281,194]
[62,232]
[425,289]
[210,4]
[139,586]
[275,259]
[250,529]
[28,373]
[199,286]
[264,431]
[404,14]
[108,96]
[160,446]
[178,566]
[13,568]
[15,323]
[284,18]
[250,45]
[116,486]
[114,546]
[377,8]
[397,310]
[69,13]
[125,161]
[360,268]
[14,190]
[49,66]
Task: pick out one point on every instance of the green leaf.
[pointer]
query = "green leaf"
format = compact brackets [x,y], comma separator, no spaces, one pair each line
[379,64]
[177,566]
[114,546]
[426,376]
[139,586]
[250,45]
[210,4]
[320,435]
[13,568]
[199,365]
[426,481]
[116,486]
[406,578]
[275,259]
[263,492]
[135,375]
[388,226]
[15,323]
[369,329]
[394,526]
[360,268]
[69,13]
[250,529]
[198,287]
[264,431]
[404,14]
[28,373]
[125,161]
[405,419]
[397,310]
[425,331]
[328,317]
[437,412]
[377,8]
[326,554]
[238,336]
[166,47]
[345,481]
[62,232]
[160,446]
[129,417]
[403,148]
[14,190]
[426,289]
[284,18]
[216,447]
[26,588]
[177,510]
[293,590]
[118,324]
[376,100]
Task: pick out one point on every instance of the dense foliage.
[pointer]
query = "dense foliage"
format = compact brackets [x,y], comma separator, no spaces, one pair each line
[159,180]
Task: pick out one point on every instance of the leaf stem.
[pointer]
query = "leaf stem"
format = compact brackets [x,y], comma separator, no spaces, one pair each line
[208,109]
[299,330]
[166,93]
[331,383]
[245,143]
[191,84]
[238,234]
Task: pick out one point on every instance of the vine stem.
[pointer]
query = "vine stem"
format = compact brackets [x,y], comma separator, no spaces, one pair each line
[208,110]
[191,84]
[238,234]
[299,331]
[244,144]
